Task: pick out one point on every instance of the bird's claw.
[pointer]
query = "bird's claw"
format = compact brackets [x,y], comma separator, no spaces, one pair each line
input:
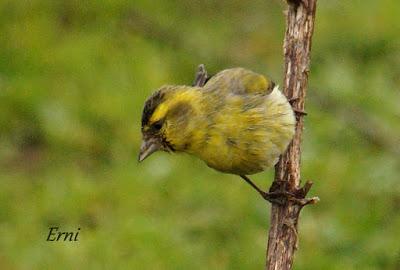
[280,196]
[298,112]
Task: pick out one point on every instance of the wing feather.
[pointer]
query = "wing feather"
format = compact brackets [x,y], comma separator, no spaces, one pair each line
[239,81]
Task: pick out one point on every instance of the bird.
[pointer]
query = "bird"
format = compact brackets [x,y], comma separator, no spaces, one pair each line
[237,122]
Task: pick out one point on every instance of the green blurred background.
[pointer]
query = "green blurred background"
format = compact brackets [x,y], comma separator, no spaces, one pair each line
[73,79]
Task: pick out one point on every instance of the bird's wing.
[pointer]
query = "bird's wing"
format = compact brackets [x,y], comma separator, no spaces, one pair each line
[239,81]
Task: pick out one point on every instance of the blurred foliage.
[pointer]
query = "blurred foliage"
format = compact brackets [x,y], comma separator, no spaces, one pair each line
[73,79]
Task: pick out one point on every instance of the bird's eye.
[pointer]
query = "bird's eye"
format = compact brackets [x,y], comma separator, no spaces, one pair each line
[157,125]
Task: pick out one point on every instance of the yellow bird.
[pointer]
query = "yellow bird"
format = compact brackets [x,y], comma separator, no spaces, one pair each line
[238,122]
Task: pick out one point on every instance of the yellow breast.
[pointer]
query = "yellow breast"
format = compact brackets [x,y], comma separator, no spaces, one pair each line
[245,135]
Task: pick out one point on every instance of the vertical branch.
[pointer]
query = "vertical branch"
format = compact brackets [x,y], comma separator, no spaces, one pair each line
[282,240]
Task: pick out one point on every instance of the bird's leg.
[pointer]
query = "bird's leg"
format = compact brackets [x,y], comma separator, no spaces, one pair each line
[278,197]
[245,178]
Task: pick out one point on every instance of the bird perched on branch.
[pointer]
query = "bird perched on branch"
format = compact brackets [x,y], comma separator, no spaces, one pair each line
[237,122]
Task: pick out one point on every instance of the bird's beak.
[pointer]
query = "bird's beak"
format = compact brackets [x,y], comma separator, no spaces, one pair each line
[148,147]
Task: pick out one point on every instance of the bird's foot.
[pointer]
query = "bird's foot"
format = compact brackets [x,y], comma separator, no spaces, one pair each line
[296,111]
[299,112]
[278,194]
[282,197]
[277,197]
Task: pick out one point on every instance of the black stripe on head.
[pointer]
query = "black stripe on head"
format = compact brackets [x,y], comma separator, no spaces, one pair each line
[150,106]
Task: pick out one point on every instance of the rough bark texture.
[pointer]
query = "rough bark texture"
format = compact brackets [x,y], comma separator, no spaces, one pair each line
[282,241]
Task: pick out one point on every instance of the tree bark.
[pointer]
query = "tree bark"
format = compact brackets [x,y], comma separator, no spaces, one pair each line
[283,237]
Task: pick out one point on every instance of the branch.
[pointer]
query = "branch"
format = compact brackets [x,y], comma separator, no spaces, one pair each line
[283,236]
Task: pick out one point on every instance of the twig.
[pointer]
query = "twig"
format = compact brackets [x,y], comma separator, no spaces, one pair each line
[283,234]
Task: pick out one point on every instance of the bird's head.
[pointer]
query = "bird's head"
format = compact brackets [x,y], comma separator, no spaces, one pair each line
[166,119]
